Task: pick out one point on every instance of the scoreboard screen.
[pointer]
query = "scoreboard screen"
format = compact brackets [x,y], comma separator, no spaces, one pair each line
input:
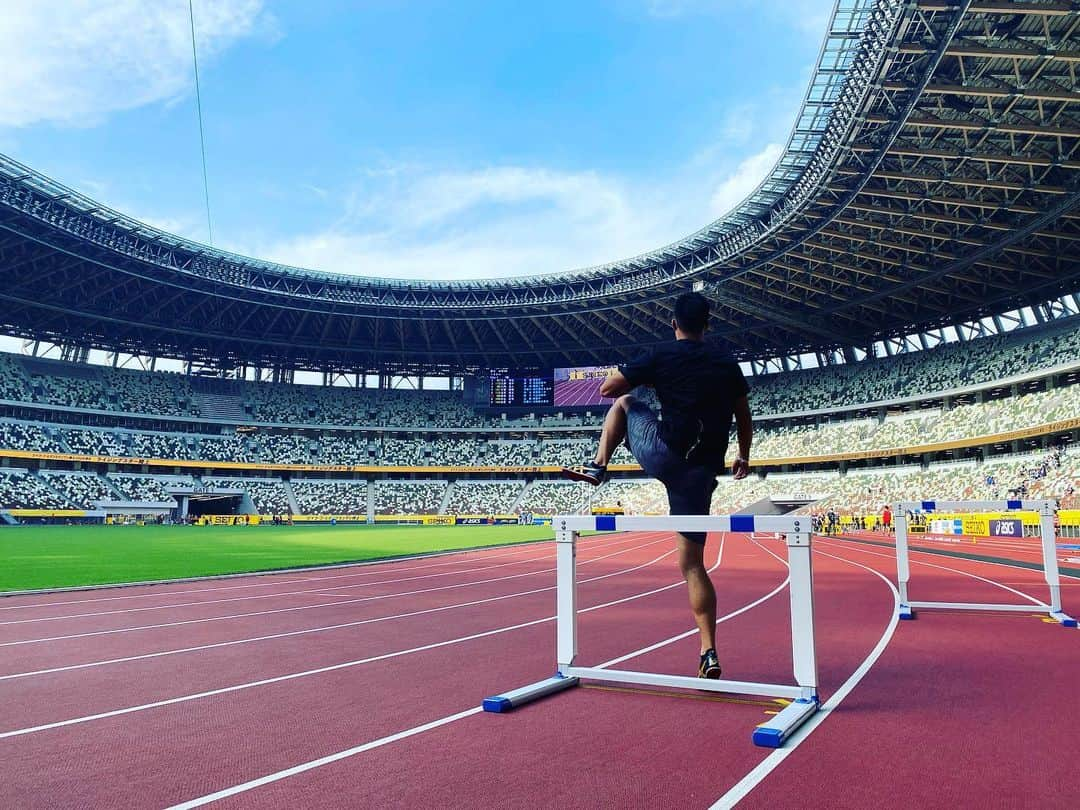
[581,386]
[512,389]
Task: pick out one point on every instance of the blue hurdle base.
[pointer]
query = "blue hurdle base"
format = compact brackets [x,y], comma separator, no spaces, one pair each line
[906,612]
[527,694]
[1064,618]
[776,732]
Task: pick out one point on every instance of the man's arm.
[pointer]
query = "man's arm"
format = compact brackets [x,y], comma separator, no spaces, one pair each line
[615,385]
[744,428]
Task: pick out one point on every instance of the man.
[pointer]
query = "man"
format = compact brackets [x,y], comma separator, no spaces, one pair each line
[700,388]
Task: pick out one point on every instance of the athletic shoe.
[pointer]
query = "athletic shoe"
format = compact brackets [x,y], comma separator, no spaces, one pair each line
[709,666]
[591,473]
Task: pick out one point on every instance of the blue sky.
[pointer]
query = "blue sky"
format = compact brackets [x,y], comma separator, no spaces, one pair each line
[412,139]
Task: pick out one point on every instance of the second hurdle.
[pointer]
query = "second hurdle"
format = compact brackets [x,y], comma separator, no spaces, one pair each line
[803,693]
[1048,543]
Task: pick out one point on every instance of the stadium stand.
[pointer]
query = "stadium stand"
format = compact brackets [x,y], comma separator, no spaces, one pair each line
[20,489]
[482,497]
[145,488]
[954,365]
[29,436]
[409,497]
[556,498]
[267,494]
[408,429]
[330,497]
[79,488]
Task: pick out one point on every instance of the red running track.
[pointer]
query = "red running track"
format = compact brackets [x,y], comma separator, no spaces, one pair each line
[203,687]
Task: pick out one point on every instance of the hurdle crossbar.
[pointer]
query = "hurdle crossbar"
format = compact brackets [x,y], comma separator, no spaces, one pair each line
[803,693]
[1045,509]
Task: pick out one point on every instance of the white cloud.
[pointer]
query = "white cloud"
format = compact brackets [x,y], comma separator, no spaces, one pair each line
[424,223]
[72,62]
[738,185]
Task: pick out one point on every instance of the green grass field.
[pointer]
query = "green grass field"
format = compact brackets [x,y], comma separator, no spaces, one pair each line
[63,556]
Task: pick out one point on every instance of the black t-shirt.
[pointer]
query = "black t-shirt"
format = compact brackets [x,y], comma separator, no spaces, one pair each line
[697,385]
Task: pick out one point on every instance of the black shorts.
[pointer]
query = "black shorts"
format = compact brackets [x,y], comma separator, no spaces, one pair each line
[689,486]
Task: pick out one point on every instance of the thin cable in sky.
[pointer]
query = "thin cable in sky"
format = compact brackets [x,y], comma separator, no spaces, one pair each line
[198,107]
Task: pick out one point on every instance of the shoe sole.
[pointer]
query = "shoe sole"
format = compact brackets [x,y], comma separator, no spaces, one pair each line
[576,476]
[710,675]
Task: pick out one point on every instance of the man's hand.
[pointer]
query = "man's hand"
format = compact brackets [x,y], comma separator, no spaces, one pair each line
[740,468]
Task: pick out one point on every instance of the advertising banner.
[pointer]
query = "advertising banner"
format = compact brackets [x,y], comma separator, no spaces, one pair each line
[1006,528]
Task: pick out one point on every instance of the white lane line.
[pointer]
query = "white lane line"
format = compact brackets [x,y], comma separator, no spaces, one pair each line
[359,749]
[741,788]
[319,590]
[348,664]
[493,552]
[318,763]
[295,609]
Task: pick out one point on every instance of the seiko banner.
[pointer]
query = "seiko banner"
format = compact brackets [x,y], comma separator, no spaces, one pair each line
[1006,528]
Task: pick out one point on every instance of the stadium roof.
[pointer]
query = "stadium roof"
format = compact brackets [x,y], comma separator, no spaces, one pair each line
[931,177]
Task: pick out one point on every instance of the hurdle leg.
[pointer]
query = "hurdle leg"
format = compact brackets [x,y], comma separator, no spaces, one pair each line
[565,631]
[776,731]
[903,563]
[566,619]
[1050,566]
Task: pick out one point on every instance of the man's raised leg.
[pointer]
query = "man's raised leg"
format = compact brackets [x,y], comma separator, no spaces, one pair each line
[614,430]
[613,433]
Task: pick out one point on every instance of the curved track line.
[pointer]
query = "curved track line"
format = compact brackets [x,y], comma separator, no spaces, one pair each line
[298,608]
[343,665]
[769,764]
[1037,602]
[320,590]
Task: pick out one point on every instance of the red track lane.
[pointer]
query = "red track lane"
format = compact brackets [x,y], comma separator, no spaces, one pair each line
[592,747]
[239,735]
[962,710]
[55,696]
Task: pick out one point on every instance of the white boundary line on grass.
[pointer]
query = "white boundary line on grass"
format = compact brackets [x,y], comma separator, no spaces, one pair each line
[295,609]
[320,590]
[264,572]
[511,548]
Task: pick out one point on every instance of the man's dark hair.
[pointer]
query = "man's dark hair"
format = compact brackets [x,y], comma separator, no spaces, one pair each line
[692,313]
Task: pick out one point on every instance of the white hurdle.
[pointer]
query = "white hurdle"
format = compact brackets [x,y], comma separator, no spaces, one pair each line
[803,693]
[1045,508]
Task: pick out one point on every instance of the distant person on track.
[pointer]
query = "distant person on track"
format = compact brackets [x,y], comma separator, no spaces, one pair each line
[886,519]
[700,389]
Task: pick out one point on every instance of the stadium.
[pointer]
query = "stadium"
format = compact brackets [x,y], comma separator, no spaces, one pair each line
[902,292]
